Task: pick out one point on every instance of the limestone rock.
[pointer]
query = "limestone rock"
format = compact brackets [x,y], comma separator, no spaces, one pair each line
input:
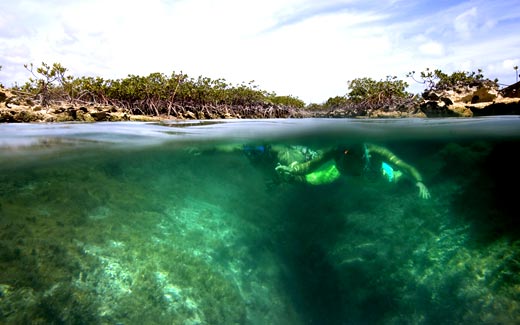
[479,100]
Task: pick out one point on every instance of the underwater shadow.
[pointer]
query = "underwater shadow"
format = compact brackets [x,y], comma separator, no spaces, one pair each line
[311,224]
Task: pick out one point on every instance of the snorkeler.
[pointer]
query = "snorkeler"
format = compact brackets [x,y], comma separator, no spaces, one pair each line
[329,165]
[295,163]
[277,153]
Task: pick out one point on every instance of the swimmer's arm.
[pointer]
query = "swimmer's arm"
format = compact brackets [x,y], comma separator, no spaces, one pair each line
[308,166]
[408,169]
[392,159]
[232,147]
[196,150]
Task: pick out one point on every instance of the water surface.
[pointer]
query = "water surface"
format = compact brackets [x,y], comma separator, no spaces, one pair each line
[167,223]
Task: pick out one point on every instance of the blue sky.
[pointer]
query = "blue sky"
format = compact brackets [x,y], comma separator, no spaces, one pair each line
[308,49]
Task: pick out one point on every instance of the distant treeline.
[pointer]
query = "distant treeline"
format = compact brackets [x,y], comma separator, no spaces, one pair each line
[160,94]
[391,93]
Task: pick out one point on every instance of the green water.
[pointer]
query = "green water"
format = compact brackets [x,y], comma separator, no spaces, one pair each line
[155,224]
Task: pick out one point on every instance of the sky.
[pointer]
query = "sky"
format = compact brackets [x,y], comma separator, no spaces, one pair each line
[308,49]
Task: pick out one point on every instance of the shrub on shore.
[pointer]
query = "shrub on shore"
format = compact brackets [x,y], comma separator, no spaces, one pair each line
[155,94]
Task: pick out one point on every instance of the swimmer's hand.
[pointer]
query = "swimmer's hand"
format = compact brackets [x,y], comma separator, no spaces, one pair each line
[282,169]
[423,190]
[286,173]
[286,170]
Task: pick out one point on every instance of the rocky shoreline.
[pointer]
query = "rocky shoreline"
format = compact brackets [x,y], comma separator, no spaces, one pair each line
[472,102]
[16,107]
[466,102]
[460,102]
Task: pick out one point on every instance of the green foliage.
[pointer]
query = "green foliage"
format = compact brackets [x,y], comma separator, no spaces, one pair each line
[336,102]
[48,82]
[366,94]
[438,80]
[154,94]
[314,107]
[286,101]
[372,91]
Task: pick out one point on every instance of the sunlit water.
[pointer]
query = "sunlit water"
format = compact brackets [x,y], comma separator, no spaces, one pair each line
[142,223]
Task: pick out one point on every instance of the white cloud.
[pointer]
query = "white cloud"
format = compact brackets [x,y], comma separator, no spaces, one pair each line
[304,48]
[465,23]
[509,64]
[507,68]
[432,48]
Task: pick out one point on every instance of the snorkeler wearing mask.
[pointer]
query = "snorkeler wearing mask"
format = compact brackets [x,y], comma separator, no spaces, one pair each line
[329,165]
